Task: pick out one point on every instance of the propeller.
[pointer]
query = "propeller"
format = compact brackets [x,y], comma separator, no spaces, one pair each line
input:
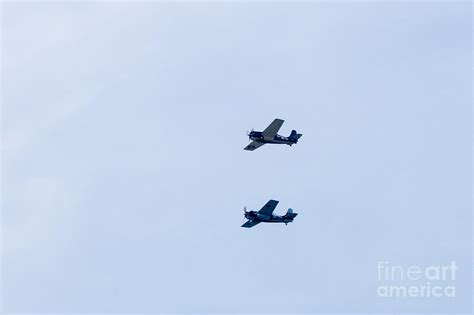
[248,133]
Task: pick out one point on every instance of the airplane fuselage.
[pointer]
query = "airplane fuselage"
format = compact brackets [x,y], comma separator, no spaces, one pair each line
[277,139]
[255,216]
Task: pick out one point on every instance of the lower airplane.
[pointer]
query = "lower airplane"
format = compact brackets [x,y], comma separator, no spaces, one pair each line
[266,215]
[270,135]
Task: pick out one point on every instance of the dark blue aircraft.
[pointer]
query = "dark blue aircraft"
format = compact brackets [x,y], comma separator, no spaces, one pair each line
[270,135]
[266,215]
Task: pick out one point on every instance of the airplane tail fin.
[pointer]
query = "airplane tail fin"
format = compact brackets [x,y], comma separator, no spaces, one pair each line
[295,135]
[290,213]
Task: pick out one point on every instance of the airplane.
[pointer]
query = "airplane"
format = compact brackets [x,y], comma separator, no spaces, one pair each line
[266,215]
[269,135]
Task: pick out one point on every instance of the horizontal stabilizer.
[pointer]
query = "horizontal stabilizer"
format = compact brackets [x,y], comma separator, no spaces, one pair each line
[290,214]
[295,135]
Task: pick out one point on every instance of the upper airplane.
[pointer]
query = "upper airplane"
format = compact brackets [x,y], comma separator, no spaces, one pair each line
[266,215]
[269,135]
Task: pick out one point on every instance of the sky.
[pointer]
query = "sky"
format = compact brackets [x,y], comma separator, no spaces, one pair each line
[124,176]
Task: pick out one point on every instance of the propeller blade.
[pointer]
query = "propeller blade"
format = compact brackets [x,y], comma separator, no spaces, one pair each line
[245,215]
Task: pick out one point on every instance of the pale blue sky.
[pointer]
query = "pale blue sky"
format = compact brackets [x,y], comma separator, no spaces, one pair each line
[124,176]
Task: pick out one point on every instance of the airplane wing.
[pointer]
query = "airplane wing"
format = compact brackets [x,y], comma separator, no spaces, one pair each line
[254,145]
[272,129]
[250,224]
[269,207]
